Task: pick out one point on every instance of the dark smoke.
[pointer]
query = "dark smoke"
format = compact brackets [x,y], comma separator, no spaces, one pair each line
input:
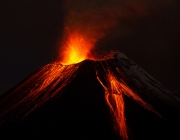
[147,31]
[94,19]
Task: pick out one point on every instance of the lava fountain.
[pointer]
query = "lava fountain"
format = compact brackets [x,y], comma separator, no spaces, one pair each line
[76,49]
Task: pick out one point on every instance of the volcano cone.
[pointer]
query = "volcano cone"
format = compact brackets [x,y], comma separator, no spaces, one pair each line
[71,104]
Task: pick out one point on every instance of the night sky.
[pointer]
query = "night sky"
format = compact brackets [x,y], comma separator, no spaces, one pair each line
[147,32]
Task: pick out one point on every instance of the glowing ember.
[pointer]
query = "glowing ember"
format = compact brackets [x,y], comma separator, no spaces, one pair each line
[76,49]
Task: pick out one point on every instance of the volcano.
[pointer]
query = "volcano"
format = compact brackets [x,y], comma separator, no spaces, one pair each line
[108,98]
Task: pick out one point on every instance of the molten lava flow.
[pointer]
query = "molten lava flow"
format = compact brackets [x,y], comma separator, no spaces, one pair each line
[76,49]
[116,104]
[39,88]
[114,97]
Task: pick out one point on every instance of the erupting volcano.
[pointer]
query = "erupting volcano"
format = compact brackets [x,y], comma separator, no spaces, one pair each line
[95,84]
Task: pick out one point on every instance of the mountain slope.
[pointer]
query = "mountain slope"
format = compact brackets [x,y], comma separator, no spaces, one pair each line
[79,110]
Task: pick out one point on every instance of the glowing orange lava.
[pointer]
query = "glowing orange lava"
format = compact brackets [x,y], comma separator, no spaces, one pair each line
[114,92]
[76,49]
[39,88]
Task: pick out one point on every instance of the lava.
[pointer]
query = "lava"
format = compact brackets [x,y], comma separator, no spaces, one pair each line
[76,49]
[39,88]
[114,92]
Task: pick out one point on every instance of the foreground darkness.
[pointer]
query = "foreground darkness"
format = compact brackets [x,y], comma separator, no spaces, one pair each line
[80,112]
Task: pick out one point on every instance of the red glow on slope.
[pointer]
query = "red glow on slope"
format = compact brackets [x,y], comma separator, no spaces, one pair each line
[114,98]
[39,88]
[116,104]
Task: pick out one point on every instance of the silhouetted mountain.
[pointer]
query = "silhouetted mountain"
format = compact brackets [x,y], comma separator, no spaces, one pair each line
[79,110]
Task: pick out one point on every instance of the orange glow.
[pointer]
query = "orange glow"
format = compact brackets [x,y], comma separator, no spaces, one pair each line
[114,98]
[116,104]
[76,49]
[39,88]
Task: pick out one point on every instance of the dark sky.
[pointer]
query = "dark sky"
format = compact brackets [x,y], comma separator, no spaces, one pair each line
[29,31]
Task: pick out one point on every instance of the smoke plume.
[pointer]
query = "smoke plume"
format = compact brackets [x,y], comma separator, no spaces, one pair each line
[94,19]
[140,28]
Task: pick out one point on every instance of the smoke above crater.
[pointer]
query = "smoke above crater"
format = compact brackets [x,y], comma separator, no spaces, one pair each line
[91,21]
